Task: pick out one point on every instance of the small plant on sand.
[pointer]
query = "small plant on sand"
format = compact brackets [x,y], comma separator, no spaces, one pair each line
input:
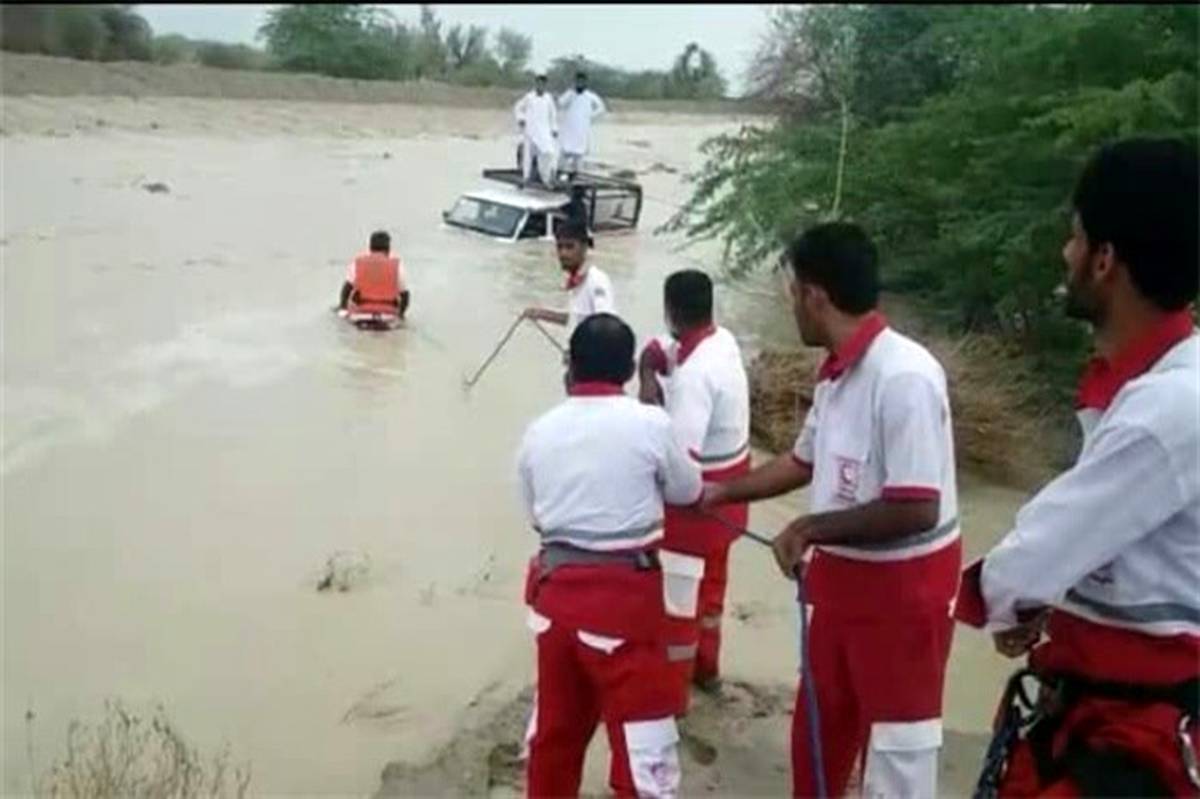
[126,755]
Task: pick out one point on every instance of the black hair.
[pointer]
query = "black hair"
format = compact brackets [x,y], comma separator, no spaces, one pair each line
[688,294]
[581,75]
[381,241]
[573,229]
[840,258]
[602,350]
[1141,196]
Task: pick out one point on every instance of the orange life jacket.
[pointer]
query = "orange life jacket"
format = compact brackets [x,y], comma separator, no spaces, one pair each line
[376,284]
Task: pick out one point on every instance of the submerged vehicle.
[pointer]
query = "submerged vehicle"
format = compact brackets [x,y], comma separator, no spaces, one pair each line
[510,213]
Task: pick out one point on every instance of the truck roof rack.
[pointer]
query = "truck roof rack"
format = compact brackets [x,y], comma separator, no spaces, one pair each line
[586,179]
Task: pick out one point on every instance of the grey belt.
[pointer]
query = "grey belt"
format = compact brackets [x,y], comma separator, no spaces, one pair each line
[554,555]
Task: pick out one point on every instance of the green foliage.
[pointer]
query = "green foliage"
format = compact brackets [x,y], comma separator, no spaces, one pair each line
[693,76]
[172,49]
[89,32]
[228,56]
[512,51]
[967,128]
[78,32]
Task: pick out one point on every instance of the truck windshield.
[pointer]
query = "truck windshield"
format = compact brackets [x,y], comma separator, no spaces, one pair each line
[488,217]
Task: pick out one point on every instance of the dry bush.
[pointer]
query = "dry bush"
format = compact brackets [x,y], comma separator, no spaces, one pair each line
[998,430]
[126,755]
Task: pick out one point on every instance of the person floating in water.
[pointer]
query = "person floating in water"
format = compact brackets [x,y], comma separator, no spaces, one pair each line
[374,282]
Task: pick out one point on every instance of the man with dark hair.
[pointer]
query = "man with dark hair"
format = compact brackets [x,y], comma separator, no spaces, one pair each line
[589,288]
[374,285]
[580,107]
[696,373]
[878,450]
[594,474]
[1106,559]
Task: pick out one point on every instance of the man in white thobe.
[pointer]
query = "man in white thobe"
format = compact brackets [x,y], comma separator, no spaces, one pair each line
[538,122]
[579,107]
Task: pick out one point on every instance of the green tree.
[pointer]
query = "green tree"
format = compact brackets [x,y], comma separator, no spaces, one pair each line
[967,127]
[695,75]
[466,48]
[513,50]
[172,49]
[129,35]
[341,40]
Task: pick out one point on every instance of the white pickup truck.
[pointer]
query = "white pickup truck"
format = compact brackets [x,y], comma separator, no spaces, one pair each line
[513,214]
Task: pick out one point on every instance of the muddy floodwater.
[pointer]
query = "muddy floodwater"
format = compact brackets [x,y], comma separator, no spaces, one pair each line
[189,433]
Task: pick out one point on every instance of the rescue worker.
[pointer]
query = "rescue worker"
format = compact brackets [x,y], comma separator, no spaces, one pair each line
[589,288]
[594,473]
[696,373]
[538,121]
[878,451]
[375,281]
[580,107]
[1106,558]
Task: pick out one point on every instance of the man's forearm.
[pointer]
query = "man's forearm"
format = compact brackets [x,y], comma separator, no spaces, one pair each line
[546,315]
[781,475]
[347,290]
[876,522]
[405,296]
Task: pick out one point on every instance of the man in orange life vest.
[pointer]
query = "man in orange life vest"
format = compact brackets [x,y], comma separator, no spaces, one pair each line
[594,474]
[375,281]
[697,374]
[1106,558]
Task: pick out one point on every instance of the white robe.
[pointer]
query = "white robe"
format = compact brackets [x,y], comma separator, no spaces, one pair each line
[540,118]
[579,109]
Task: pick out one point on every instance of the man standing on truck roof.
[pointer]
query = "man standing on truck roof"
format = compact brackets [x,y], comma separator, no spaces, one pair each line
[580,107]
[590,289]
[538,121]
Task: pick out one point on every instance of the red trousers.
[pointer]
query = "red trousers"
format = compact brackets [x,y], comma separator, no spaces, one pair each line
[878,664]
[578,686]
[695,643]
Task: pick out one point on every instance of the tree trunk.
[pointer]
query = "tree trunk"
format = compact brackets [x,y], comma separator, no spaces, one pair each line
[835,211]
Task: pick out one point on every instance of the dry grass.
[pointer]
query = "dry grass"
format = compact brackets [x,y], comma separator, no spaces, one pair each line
[998,431]
[126,755]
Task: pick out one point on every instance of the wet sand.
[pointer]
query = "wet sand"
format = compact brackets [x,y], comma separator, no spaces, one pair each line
[189,434]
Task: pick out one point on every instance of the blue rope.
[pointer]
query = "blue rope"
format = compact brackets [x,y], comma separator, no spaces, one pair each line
[806,679]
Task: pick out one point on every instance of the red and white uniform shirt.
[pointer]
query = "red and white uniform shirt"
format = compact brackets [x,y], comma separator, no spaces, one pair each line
[707,396]
[591,292]
[595,470]
[879,428]
[594,474]
[1113,545]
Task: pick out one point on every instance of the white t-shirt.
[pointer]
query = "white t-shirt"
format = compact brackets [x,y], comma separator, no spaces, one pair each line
[593,295]
[594,472]
[881,429]
[707,396]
